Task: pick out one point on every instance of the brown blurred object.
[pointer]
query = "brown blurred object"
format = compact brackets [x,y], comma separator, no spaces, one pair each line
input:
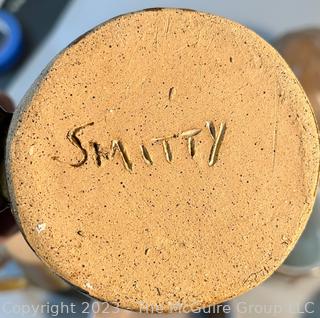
[301,50]
[13,284]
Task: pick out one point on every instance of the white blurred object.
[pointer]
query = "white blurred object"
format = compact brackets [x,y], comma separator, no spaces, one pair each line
[278,297]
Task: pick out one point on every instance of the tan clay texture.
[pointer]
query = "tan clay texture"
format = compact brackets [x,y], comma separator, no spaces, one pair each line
[166,158]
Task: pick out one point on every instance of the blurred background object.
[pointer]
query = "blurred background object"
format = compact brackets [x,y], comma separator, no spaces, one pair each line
[24,25]
[10,41]
[47,27]
[301,50]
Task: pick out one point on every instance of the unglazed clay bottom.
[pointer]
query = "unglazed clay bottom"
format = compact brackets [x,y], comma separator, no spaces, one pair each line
[167,158]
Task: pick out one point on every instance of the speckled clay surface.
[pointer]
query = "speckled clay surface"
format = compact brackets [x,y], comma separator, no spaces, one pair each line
[169,225]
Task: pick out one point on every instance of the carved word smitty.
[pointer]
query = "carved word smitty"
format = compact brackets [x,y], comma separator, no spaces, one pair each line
[118,146]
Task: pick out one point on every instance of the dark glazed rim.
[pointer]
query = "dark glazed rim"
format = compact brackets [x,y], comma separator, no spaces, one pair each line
[8,225]
[24,104]
[6,111]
